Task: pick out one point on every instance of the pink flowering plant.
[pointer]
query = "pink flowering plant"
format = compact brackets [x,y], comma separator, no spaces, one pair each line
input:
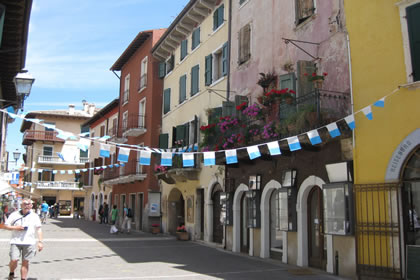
[160,168]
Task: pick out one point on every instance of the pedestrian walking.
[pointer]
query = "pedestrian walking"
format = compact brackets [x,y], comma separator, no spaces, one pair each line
[25,225]
[127,216]
[106,213]
[101,213]
[44,212]
[114,217]
[56,210]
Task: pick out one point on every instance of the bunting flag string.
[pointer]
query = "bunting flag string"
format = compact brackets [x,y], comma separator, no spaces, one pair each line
[83,142]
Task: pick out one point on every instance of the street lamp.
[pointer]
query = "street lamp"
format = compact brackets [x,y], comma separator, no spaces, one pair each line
[23,82]
[16,155]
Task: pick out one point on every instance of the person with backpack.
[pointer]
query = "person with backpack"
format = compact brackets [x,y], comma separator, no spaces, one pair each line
[128,215]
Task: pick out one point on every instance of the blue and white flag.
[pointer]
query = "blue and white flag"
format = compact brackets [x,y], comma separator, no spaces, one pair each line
[380,103]
[314,137]
[12,115]
[294,143]
[33,169]
[70,171]
[40,170]
[253,152]
[122,164]
[83,144]
[62,171]
[145,157]
[350,122]
[274,148]
[55,171]
[123,154]
[209,158]
[187,159]
[10,109]
[333,130]
[77,171]
[60,155]
[63,134]
[368,112]
[34,120]
[104,150]
[166,159]
[231,156]
[84,170]
[104,138]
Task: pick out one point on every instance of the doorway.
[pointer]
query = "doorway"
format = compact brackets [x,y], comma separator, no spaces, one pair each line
[317,251]
[140,208]
[50,200]
[200,212]
[217,210]
[244,225]
[78,206]
[176,210]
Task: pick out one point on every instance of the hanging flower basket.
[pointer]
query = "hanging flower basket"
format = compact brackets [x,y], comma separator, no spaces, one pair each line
[318,83]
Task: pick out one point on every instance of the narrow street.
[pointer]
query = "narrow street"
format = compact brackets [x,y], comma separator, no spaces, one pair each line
[79,249]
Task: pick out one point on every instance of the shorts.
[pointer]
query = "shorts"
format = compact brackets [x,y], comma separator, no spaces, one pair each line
[26,251]
[44,214]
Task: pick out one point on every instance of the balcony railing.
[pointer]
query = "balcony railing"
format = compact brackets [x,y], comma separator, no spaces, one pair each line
[58,160]
[178,173]
[143,81]
[57,185]
[130,172]
[134,125]
[113,131]
[40,135]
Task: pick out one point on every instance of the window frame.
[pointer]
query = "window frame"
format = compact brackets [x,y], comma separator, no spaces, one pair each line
[126,92]
[241,56]
[166,96]
[195,42]
[220,18]
[195,86]
[182,88]
[143,74]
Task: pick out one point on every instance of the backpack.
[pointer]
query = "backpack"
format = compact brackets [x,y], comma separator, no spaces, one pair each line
[129,213]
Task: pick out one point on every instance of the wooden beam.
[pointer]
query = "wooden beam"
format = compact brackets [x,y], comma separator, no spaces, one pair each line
[186,26]
[182,30]
[196,19]
[210,5]
[201,11]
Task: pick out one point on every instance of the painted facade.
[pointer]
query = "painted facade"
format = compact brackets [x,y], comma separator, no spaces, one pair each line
[385,63]
[194,60]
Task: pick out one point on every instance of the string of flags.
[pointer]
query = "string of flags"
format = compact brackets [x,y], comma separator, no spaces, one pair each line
[188,152]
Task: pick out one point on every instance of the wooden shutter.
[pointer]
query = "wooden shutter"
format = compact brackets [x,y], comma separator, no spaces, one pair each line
[304,86]
[194,80]
[228,108]
[215,115]
[220,15]
[186,134]
[102,130]
[173,136]
[287,81]
[208,69]
[304,9]
[182,88]
[195,125]
[163,140]
[215,19]
[180,133]
[195,38]
[225,64]
[166,100]
[239,99]
[184,45]
[162,70]
[413,23]
[244,43]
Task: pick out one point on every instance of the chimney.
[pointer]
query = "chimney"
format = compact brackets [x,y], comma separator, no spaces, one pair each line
[71,109]
[85,106]
[91,109]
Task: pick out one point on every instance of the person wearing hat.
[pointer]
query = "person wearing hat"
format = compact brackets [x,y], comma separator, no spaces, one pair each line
[25,225]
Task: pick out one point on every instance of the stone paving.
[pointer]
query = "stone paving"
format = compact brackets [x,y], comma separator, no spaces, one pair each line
[79,249]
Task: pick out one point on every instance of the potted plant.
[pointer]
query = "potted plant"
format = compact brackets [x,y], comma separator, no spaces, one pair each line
[316,79]
[182,233]
[267,79]
[155,228]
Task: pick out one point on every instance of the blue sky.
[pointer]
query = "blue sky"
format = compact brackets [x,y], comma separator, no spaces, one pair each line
[72,45]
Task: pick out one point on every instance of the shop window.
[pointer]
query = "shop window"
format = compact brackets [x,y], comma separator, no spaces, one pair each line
[226,213]
[338,208]
[254,213]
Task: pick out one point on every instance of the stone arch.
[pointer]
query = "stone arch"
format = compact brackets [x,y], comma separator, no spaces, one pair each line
[269,188]
[236,246]
[176,209]
[209,208]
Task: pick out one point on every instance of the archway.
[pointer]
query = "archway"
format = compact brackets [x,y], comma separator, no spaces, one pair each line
[237,201]
[209,209]
[176,210]
[217,224]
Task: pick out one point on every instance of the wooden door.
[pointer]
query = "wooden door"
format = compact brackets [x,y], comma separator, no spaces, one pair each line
[316,245]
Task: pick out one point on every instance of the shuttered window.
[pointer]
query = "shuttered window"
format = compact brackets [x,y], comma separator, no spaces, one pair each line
[413,24]
[228,108]
[287,81]
[194,79]
[244,44]
[162,70]
[304,10]
[225,59]
[184,48]
[163,140]
[208,70]
[241,2]
[170,64]
[2,16]
[166,100]
[218,17]
[195,38]
[182,88]
[304,86]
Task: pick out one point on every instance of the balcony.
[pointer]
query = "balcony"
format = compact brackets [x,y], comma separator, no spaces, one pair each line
[115,137]
[31,136]
[129,173]
[143,82]
[177,173]
[57,185]
[134,125]
[57,160]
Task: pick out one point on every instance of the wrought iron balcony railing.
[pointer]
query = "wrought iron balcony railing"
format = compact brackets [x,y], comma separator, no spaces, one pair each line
[130,172]
[58,160]
[40,135]
[134,125]
[57,185]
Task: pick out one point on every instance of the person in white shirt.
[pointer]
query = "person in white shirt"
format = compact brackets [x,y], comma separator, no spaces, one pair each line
[25,225]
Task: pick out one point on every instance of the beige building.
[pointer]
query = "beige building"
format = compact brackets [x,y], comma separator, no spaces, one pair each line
[194,56]
[53,164]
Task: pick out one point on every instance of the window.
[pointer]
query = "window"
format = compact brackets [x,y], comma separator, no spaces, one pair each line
[170,63]
[143,74]
[46,176]
[277,208]
[413,25]
[241,2]
[184,48]
[126,89]
[338,201]
[125,120]
[208,69]
[84,154]
[163,140]
[102,134]
[182,88]
[47,151]
[216,65]
[2,16]
[244,43]
[166,100]
[254,214]
[142,113]
[195,79]
[185,134]
[218,17]
[304,10]
[195,38]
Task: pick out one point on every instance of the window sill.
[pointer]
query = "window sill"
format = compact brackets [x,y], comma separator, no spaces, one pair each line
[218,28]
[411,85]
[140,90]
[217,81]
[305,22]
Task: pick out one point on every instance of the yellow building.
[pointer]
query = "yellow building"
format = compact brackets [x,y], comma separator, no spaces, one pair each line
[385,57]
[194,55]
[52,163]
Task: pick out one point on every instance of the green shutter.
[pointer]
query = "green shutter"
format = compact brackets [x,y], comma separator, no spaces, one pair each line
[413,24]
[208,70]
[182,88]
[187,134]
[166,100]
[228,108]
[163,140]
[195,129]
[180,132]
[304,85]
[225,59]
[215,19]
[162,69]
[195,38]
[287,81]
[2,16]
[221,15]
[184,45]
[194,80]
[215,115]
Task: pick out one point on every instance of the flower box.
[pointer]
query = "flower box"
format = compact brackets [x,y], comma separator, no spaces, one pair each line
[155,229]
[182,235]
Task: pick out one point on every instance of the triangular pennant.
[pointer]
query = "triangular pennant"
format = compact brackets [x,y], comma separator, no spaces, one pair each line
[294,143]
[209,158]
[368,112]
[314,137]
[253,152]
[380,103]
[231,156]
[333,130]
[350,122]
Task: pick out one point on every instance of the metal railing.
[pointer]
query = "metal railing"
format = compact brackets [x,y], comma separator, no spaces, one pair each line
[41,135]
[134,121]
[143,81]
[133,167]
[56,185]
[54,159]
[126,95]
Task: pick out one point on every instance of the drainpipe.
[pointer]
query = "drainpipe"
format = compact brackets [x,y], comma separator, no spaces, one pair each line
[229,51]
[350,78]
[336,263]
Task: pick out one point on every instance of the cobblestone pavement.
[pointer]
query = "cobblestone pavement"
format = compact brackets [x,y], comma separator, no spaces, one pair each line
[79,249]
